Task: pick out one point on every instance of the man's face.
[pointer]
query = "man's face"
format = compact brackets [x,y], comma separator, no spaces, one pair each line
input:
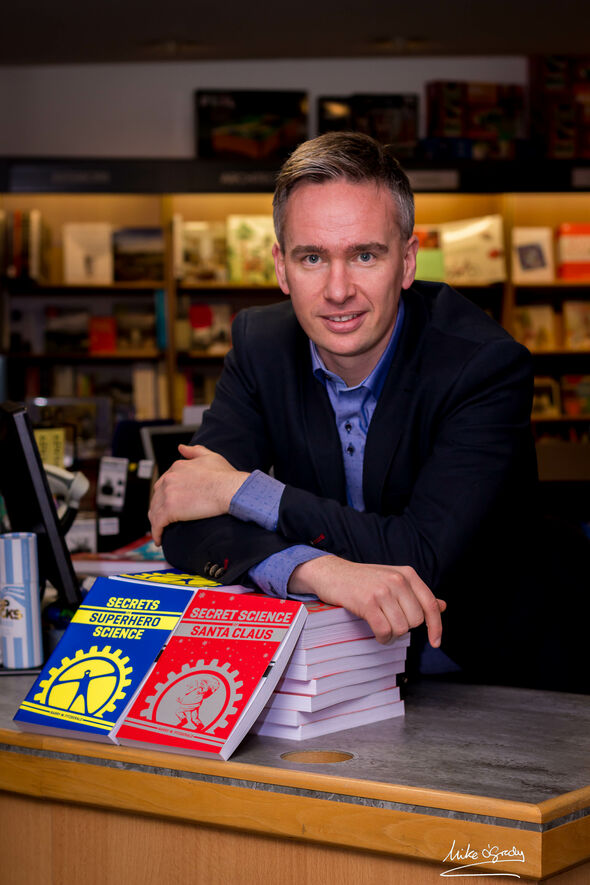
[344,266]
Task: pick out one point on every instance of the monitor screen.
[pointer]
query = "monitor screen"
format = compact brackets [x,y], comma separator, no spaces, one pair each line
[28,500]
[161,443]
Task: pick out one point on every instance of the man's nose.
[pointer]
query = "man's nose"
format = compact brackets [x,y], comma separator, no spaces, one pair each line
[340,286]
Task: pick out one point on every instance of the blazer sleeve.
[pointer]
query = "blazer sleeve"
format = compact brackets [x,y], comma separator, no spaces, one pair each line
[479,469]
[235,427]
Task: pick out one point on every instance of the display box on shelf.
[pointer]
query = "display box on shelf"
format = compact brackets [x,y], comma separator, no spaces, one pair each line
[87,253]
[576,324]
[532,255]
[473,250]
[138,254]
[546,398]
[573,251]
[250,124]
[535,327]
[249,249]
[575,395]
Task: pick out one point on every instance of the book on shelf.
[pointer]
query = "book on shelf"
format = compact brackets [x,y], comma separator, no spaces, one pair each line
[473,250]
[87,253]
[149,391]
[535,326]
[138,254]
[576,324]
[546,398]
[490,117]
[136,326]
[298,725]
[210,327]
[66,329]
[215,674]
[532,255]
[573,251]
[203,249]
[389,118]
[255,124]
[105,654]
[575,394]
[102,334]
[22,242]
[430,260]
[249,250]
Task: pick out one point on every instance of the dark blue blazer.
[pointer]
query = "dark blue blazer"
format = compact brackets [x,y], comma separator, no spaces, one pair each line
[449,467]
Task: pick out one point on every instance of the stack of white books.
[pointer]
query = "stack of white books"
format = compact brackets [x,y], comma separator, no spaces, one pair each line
[338,677]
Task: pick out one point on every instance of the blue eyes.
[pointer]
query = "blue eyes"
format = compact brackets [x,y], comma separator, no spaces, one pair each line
[362,257]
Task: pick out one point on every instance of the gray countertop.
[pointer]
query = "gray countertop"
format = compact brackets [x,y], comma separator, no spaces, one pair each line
[503,743]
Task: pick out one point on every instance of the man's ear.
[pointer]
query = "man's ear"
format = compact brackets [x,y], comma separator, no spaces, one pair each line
[411,250]
[279,259]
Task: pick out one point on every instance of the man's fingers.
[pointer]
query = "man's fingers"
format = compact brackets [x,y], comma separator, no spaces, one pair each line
[430,605]
[191,451]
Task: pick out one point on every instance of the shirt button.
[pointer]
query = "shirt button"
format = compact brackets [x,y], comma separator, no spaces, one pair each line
[350,449]
[348,426]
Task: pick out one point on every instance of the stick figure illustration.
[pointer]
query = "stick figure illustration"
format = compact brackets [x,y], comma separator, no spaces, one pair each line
[190,702]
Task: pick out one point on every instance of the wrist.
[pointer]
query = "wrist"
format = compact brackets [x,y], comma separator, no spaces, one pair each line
[306,577]
[226,490]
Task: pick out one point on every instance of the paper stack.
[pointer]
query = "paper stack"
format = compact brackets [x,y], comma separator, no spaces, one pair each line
[338,677]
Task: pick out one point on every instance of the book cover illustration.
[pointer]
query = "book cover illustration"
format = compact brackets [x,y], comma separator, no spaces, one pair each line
[255,124]
[105,653]
[138,254]
[249,250]
[535,326]
[215,674]
[576,320]
[87,253]
[532,255]
[173,577]
[473,250]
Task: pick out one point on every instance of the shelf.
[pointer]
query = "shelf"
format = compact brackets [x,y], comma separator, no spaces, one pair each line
[560,351]
[559,419]
[160,176]
[234,288]
[84,356]
[30,287]
[554,284]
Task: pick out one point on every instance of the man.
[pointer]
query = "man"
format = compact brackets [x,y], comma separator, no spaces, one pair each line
[395,416]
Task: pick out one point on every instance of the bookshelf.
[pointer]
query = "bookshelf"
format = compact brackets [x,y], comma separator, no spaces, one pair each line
[144,193]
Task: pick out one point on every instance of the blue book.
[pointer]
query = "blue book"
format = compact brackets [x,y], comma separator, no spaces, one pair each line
[107,650]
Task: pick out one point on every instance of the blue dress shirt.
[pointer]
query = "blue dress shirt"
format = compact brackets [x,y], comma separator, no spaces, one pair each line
[259,497]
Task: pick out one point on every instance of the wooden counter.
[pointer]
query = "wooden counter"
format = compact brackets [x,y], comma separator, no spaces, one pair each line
[469,771]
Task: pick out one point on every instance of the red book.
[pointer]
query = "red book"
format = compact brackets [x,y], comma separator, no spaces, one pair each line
[103,334]
[215,675]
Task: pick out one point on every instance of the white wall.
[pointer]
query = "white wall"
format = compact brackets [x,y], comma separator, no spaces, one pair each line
[146,110]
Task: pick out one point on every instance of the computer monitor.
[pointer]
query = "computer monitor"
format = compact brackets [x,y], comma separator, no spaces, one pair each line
[160,443]
[29,503]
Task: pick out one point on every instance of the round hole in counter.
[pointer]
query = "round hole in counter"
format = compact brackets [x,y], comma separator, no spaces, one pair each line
[317,757]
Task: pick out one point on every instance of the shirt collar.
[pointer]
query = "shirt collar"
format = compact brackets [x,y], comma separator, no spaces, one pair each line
[376,379]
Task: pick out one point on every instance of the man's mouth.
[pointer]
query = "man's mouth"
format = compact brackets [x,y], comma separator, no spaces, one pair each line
[345,318]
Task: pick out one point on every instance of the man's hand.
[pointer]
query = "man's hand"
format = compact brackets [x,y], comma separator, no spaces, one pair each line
[391,599]
[199,487]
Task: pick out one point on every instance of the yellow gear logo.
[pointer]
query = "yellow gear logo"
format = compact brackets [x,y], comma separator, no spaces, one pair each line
[90,683]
